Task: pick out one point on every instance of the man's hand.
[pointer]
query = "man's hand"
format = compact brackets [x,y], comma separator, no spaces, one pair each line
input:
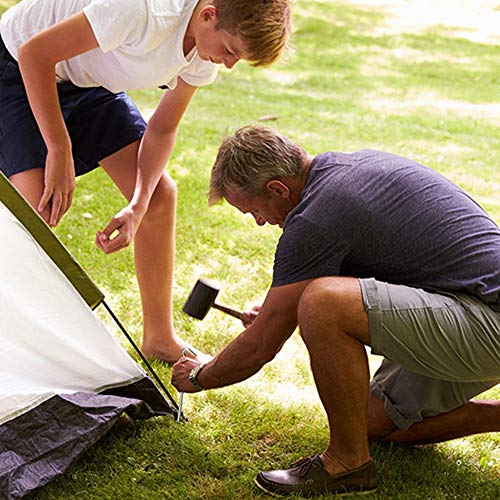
[180,375]
[248,317]
[125,222]
[59,185]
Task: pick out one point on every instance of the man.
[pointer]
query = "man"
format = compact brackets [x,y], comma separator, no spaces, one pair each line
[376,250]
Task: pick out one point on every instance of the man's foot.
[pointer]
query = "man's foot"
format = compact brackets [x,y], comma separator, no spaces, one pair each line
[308,477]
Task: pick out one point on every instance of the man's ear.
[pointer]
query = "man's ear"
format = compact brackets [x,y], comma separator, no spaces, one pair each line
[278,188]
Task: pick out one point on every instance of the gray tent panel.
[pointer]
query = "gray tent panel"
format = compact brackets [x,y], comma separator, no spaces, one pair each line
[39,446]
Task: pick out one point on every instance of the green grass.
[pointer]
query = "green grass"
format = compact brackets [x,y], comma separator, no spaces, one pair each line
[429,96]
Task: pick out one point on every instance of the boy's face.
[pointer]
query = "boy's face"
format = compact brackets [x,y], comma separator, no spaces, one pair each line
[217,46]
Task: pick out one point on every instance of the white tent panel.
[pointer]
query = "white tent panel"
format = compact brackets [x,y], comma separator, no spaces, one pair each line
[44,321]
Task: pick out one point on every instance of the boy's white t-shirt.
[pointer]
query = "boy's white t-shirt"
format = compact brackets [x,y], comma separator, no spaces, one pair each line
[140,41]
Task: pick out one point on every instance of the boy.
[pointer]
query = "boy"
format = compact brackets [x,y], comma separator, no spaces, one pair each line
[64,67]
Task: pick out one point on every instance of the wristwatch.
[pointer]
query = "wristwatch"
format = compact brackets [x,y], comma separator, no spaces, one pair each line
[193,374]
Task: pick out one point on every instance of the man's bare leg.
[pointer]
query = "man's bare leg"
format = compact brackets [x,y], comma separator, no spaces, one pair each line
[334,326]
[474,417]
[154,250]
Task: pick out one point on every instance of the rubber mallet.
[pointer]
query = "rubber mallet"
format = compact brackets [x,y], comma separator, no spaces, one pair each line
[202,298]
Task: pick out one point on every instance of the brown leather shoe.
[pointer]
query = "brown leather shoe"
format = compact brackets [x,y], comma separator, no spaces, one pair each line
[308,477]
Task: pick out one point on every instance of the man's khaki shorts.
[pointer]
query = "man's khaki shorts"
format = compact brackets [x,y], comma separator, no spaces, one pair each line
[440,349]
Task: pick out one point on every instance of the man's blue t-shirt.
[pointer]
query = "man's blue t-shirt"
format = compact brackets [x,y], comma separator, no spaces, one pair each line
[373,214]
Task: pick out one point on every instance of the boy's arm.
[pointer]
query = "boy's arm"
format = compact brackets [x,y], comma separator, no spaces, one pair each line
[252,349]
[37,59]
[154,152]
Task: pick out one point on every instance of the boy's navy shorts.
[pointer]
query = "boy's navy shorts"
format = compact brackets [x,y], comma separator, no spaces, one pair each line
[99,122]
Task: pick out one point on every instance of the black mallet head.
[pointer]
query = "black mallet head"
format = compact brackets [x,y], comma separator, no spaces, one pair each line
[202,298]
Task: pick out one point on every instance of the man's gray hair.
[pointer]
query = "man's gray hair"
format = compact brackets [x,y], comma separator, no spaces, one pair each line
[252,157]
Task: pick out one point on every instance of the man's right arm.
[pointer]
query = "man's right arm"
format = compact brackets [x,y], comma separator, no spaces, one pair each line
[252,349]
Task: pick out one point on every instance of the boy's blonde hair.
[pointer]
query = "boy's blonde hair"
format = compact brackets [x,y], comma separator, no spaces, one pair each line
[250,158]
[264,26]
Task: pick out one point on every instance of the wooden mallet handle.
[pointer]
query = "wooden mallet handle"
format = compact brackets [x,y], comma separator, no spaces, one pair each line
[228,310]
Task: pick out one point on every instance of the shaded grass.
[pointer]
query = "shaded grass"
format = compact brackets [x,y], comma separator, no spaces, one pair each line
[429,96]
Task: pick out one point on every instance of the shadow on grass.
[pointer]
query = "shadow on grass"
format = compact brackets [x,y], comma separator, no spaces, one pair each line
[335,82]
[235,433]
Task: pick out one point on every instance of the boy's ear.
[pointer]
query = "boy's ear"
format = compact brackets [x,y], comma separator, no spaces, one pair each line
[278,188]
[208,13]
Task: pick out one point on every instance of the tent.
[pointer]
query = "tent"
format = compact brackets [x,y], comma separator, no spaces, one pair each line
[64,380]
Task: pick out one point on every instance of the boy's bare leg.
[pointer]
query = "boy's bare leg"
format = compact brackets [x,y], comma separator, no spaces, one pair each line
[154,250]
[154,247]
[474,417]
[30,184]
[334,326]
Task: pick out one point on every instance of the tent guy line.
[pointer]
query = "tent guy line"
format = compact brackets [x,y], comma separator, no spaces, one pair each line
[145,361]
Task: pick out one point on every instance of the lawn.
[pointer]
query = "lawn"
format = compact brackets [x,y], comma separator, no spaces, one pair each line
[352,82]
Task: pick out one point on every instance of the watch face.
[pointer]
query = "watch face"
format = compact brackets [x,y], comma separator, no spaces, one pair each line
[193,374]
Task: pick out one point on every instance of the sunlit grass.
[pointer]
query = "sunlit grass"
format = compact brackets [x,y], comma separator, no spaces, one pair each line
[353,82]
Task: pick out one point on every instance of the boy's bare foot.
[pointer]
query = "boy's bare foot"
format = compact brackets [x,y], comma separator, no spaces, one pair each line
[171,351]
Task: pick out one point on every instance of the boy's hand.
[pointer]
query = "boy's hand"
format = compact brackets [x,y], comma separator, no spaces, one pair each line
[248,317]
[59,186]
[125,223]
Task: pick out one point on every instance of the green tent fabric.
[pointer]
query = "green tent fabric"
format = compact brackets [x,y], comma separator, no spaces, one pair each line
[53,247]
[64,378]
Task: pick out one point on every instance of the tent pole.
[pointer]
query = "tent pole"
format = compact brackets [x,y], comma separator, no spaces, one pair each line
[139,352]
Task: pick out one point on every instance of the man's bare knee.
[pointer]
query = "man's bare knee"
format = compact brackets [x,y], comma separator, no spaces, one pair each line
[334,301]
[323,295]
[318,303]
[380,426]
